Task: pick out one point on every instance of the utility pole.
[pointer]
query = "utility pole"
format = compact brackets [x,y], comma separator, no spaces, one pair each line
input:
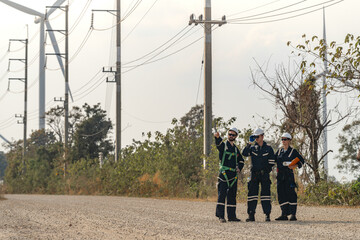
[66,76]
[25,80]
[118,81]
[207,73]
[117,73]
[66,103]
[325,144]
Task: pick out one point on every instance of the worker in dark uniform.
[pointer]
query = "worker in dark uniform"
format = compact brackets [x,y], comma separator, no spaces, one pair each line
[262,161]
[287,159]
[231,163]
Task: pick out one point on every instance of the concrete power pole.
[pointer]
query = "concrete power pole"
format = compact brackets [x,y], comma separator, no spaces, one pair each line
[25,80]
[66,76]
[325,143]
[207,73]
[66,102]
[118,81]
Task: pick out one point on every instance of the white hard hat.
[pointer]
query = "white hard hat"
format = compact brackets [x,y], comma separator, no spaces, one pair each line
[286,135]
[258,132]
[234,129]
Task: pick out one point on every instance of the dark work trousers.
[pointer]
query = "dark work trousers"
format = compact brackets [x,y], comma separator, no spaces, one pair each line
[257,178]
[224,192]
[286,193]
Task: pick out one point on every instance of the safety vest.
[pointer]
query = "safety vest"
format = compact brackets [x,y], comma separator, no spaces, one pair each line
[223,168]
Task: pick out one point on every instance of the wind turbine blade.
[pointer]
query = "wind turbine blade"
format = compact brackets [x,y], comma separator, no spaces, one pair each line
[56,4]
[72,99]
[22,8]
[7,141]
[55,46]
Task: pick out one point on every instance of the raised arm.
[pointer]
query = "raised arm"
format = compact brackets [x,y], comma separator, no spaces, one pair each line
[219,142]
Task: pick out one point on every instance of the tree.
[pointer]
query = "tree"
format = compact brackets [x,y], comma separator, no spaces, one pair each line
[3,165]
[343,61]
[55,120]
[349,140]
[90,136]
[299,101]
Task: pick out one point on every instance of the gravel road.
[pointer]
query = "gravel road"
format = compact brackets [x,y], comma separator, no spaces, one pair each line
[103,217]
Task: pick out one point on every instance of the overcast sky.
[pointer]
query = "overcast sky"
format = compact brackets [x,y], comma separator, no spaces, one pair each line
[154,93]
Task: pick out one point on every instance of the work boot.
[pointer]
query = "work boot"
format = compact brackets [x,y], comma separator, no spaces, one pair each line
[251,218]
[293,217]
[267,218]
[222,220]
[282,218]
[235,219]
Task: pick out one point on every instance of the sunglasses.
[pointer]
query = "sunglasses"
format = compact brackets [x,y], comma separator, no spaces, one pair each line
[285,139]
[232,135]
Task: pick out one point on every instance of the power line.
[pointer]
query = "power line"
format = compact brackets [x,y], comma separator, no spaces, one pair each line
[82,87]
[86,38]
[4,75]
[90,90]
[132,9]
[285,13]
[248,10]
[77,21]
[30,86]
[139,21]
[128,8]
[29,64]
[121,20]
[144,56]
[161,58]
[201,71]
[286,18]
[263,13]
[4,56]
[156,60]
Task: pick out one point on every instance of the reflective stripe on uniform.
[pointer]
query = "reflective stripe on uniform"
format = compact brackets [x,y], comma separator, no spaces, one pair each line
[223,204]
[266,198]
[293,203]
[291,152]
[231,205]
[252,198]
[284,204]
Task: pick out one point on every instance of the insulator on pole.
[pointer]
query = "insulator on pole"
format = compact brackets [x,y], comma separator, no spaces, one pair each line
[92,20]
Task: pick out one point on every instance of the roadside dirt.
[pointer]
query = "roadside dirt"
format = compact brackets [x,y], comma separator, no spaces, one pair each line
[103,217]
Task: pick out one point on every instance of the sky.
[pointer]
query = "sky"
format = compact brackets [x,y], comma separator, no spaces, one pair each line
[167,80]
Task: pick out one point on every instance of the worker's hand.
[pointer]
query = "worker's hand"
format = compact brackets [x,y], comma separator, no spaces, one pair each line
[237,170]
[217,134]
[293,167]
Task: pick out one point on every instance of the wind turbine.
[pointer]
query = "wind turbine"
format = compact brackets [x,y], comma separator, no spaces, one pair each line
[42,19]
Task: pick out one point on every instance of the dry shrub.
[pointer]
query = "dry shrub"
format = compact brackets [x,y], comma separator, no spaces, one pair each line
[150,185]
[2,190]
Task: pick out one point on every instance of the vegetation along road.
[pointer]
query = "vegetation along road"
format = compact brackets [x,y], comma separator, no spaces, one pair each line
[101,217]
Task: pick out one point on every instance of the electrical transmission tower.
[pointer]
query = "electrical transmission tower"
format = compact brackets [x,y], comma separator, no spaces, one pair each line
[25,80]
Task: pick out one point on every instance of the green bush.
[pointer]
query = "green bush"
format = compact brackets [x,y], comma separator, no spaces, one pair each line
[332,193]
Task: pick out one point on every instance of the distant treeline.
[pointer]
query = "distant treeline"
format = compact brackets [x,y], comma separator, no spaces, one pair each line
[166,164]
